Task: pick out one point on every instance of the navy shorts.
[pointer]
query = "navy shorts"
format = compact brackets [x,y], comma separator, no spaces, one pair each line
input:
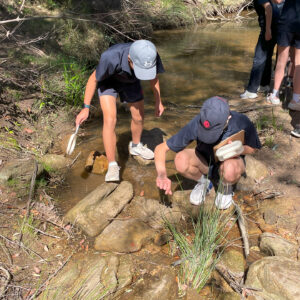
[128,92]
[285,39]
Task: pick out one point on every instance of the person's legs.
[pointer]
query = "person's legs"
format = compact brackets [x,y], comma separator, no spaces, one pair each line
[295,103]
[194,167]
[259,62]
[230,172]
[108,106]
[137,120]
[267,73]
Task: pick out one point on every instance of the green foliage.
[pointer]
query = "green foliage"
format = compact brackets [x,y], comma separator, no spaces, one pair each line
[269,141]
[199,256]
[75,77]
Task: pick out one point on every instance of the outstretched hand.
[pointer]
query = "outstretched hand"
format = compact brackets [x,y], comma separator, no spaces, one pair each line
[164,183]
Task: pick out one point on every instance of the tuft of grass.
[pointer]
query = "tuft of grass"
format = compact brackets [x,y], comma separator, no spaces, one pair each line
[199,256]
[269,141]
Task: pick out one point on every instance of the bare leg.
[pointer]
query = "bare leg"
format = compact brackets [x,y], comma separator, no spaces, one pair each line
[231,170]
[297,72]
[190,165]
[108,106]
[283,55]
[137,121]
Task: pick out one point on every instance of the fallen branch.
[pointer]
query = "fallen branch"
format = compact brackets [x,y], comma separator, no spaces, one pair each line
[42,232]
[242,226]
[6,251]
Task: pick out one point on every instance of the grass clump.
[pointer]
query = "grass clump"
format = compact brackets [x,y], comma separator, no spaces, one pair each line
[199,255]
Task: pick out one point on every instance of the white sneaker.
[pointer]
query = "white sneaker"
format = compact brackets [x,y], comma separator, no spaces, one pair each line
[223,201]
[199,191]
[273,99]
[263,89]
[248,95]
[223,198]
[293,105]
[141,150]
[296,132]
[113,173]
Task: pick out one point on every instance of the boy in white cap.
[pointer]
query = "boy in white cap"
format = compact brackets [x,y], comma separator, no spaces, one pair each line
[120,69]
[214,123]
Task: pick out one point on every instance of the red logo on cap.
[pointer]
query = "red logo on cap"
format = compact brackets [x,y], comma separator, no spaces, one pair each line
[206,124]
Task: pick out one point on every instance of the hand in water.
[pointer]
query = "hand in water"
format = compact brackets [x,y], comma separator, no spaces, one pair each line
[159,109]
[164,183]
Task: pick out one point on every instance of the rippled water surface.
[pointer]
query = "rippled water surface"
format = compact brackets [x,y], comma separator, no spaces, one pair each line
[201,62]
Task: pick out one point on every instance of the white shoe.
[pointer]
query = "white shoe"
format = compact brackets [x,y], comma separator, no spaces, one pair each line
[263,89]
[141,150]
[223,201]
[293,105]
[199,191]
[296,132]
[273,99]
[248,95]
[113,173]
[223,198]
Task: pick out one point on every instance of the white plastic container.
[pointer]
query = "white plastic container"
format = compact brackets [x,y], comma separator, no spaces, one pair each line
[230,150]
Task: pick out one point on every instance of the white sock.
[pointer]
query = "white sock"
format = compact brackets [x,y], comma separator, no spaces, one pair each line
[112,163]
[296,97]
[275,93]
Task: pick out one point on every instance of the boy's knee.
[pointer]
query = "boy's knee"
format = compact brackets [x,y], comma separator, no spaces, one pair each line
[231,171]
[181,162]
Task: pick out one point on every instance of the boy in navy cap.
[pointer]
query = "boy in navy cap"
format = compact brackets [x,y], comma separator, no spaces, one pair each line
[119,71]
[214,123]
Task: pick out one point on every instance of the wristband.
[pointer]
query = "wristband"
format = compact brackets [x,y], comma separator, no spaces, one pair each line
[86,105]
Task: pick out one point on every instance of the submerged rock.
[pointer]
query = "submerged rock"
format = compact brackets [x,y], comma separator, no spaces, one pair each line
[274,245]
[94,212]
[89,277]
[275,278]
[124,236]
[153,212]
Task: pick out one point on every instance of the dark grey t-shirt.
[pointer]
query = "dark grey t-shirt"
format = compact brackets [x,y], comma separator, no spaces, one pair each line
[189,133]
[113,65]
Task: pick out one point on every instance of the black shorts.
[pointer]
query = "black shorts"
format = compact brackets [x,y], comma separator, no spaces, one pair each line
[128,92]
[285,39]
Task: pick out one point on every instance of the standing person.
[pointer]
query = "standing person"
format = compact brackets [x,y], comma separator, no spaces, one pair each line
[119,71]
[288,35]
[260,76]
[214,123]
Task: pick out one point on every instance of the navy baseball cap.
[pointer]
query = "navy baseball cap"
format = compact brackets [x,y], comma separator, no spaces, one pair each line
[143,55]
[214,114]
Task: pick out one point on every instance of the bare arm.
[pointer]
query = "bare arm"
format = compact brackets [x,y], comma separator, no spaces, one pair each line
[159,108]
[248,150]
[88,96]
[162,181]
[268,14]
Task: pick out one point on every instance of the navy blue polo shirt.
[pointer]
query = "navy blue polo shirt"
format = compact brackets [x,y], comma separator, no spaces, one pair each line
[113,65]
[290,18]
[189,133]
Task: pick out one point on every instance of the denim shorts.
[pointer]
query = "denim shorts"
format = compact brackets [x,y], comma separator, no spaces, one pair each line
[285,39]
[128,92]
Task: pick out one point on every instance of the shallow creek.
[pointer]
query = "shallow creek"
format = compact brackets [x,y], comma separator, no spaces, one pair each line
[201,62]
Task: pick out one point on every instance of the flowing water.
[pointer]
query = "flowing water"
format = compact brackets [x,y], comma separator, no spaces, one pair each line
[202,62]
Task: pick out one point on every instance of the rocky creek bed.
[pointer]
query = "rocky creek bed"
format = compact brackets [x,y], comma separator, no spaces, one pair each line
[113,243]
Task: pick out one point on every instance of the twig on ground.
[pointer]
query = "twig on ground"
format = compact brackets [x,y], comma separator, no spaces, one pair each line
[29,199]
[242,226]
[42,232]
[41,288]
[4,288]
[22,246]
[6,251]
